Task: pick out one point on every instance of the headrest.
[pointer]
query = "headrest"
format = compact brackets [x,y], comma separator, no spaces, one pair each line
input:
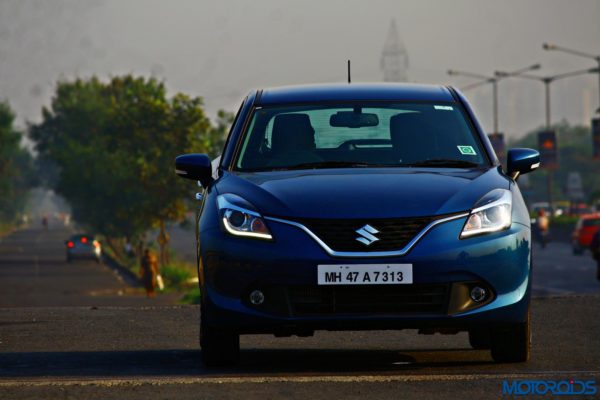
[292,132]
[408,127]
[413,138]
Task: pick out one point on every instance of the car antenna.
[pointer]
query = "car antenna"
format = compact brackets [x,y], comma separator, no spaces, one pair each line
[349,80]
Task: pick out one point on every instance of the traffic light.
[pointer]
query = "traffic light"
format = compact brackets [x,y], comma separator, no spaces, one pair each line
[596,138]
[548,149]
[497,140]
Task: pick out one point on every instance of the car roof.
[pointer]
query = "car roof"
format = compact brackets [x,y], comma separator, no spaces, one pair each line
[79,235]
[354,91]
[591,216]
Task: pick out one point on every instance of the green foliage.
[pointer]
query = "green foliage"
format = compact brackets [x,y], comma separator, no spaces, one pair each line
[192,296]
[113,145]
[564,220]
[218,133]
[176,276]
[16,169]
[575,155]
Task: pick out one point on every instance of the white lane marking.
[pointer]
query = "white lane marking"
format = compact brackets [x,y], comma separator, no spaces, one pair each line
[162,380]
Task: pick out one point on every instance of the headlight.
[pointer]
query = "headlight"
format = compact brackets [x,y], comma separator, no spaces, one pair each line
[239,219]
[492,213]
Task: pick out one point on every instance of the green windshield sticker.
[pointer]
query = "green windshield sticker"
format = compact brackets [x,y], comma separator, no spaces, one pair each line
[467,150]
[447,108]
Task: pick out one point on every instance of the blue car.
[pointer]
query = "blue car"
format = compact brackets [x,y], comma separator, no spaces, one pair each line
[361,207]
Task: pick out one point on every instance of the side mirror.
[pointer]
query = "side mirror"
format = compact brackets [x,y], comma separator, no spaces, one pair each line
[521,161]
[194,166]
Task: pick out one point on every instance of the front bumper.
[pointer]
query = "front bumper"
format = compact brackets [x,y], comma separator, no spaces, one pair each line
[444,268]
[84,252]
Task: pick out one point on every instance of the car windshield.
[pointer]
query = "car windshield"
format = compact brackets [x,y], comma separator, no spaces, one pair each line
[591,222]
[366,134]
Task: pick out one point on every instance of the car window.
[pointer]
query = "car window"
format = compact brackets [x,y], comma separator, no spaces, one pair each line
[591,222]
[82,235]
[327,136]
[390,134]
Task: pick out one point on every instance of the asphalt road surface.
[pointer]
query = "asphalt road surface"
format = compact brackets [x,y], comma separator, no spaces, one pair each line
[80,331]
[34,273]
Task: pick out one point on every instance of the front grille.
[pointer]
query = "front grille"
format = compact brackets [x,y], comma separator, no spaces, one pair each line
[394,234]
[376,299]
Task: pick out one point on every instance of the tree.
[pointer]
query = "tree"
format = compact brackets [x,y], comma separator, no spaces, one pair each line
[218,133]
[114,145]
[16,168]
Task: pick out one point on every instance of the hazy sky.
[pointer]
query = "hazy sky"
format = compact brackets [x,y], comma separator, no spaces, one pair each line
[222,49]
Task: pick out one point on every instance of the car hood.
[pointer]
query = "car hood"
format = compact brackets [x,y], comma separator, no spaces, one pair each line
[362,193]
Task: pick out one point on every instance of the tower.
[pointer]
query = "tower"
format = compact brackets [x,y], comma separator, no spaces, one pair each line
[394,58]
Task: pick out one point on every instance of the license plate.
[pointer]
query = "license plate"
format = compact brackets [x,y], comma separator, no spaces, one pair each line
[365,274]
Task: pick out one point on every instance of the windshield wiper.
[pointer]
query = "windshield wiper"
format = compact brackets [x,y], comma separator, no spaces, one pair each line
[442,162]
[326,164]
[434,163]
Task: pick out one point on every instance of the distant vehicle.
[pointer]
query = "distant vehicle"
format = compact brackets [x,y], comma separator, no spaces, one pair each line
[541,205]
[584,231]
[361,207]
[561,208]
[83,246]
[579,209]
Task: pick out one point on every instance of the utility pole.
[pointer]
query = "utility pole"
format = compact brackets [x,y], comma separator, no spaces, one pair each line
[484,79]
[550,47]
[547,81]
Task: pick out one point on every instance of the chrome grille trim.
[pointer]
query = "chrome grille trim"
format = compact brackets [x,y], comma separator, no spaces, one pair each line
[363,254]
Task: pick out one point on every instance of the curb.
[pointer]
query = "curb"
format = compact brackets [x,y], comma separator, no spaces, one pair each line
[126,274]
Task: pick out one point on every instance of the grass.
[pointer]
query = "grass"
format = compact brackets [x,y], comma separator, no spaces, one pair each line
[6,228]
[178,275]
[564,220]
[192,296]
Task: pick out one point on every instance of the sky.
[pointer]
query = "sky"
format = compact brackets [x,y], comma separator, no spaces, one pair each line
[220,50]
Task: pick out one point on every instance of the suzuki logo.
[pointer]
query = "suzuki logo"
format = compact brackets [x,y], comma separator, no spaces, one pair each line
[367,235]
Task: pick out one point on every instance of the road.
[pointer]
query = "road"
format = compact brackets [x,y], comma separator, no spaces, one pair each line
[34,272]
[558,272]
[79,331]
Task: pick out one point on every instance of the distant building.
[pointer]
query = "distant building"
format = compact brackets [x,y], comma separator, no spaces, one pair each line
[394,58]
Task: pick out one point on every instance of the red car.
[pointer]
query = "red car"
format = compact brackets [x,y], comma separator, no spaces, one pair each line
[585,229]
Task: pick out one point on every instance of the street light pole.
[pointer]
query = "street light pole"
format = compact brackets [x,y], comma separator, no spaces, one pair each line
[494,81]
[495,104]
[547,81]
[549,177]
[549,46]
